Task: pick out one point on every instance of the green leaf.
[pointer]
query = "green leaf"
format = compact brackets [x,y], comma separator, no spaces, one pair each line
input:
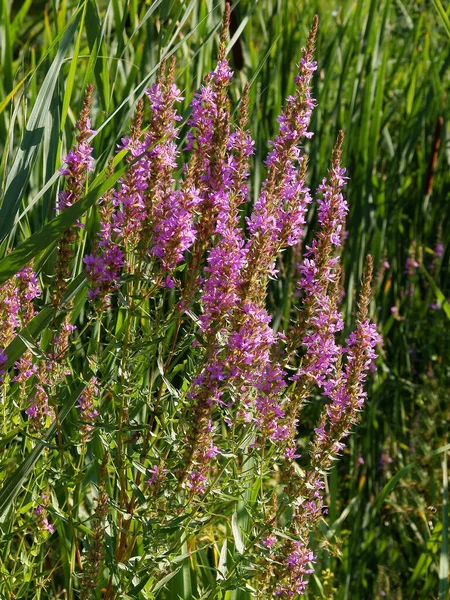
[98,52]
[222,566]
[25,158]
[7,43]
[437,292]
[390,486]
[50,233]
[444,17]
[70,79]
[165,580]
[181,585]
[240,547]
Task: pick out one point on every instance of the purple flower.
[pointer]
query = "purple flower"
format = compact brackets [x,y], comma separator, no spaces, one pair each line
[208,141]
[39,408]
[157,474]
[221,290]
[47,525]
[42,516]
[147,207]
[129,200]
[345,388]
[196,482]
[9,311]
[78,163]
[16,310]
[170,213]
[174,226]
[385,460]
[103,270]
[278,216]
[319,279]
[28,284]
[411,264]
[269,541]
[298,565]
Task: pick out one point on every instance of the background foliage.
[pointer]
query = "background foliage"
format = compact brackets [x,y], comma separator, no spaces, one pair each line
[383,78]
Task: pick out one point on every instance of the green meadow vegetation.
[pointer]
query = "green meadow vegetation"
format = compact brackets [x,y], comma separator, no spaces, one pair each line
[97,504]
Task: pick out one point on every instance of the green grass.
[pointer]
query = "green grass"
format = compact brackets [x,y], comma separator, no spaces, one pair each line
[383,77]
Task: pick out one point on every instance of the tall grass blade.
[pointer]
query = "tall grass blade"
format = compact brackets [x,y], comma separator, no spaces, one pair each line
[442,13]
[49,234]
[25,158]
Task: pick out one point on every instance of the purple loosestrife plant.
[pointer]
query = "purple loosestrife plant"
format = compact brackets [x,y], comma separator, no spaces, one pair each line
[104,264]
[42,517]
[322,365]
[320,279]
[208,142]
[224,161]
[242,367]
[276,222]
[146,211]
[16,310]
[78,163]
[129,200]
[51,371]
[169,211]
[225,261]
[186,396]
[279,213]
[346,396]
[122,214]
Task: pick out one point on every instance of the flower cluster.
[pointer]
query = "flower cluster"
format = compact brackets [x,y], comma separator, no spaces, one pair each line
[299,563]
[319,279]
[16,310]
[41,513]
[78,163]
[279,213]
[184,260]
[146,210]
[223,282]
